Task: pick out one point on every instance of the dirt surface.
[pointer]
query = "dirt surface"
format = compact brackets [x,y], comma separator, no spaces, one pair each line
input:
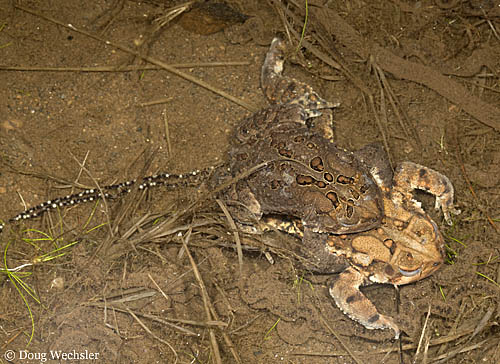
[132,297]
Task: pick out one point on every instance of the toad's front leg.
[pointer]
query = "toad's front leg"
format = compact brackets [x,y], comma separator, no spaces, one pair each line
[345,291]
[410,176]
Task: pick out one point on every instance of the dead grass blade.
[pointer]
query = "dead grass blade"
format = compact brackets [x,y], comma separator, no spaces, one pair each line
[172,13]
[205,297]
[484,321]
[304,42]
[130,204]
[447,356]
[236,235]
[171,226]
[167,133]
[64,183]
[158,287]
[411,347]
[129,68]
[332,59]
[167,321]
[419,346]
[385,87]
[210,310]
[337,27]
[458,156]
[97,185]
[153,334]
[342,342]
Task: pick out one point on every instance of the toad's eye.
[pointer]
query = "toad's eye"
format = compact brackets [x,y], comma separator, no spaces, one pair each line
[410,273]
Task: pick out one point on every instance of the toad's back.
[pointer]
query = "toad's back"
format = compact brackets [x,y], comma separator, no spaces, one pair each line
[306,176]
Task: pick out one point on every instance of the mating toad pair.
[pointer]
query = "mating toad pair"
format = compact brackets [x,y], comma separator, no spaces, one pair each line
[353,214]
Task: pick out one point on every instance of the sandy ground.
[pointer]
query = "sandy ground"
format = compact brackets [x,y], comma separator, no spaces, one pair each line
[128,298]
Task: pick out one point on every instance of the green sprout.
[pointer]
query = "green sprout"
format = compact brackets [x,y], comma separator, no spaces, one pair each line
[488,278]
[302,35]
[268,333]
[16,278]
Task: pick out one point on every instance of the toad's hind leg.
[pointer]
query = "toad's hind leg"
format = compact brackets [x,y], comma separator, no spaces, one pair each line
[280,89]
[345,291]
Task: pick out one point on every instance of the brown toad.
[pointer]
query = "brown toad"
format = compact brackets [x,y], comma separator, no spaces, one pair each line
[353,214]
[306,176]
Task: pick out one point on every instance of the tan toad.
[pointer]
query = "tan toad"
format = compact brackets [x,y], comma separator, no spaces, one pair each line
[352,213]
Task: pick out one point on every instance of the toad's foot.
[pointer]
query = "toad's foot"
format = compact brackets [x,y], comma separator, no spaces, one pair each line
[280,89]
[345,291]
[410,176]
